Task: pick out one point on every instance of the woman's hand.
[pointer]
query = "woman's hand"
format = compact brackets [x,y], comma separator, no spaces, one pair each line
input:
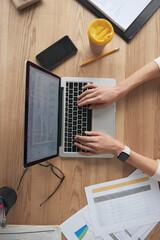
[98,96]
[98,143]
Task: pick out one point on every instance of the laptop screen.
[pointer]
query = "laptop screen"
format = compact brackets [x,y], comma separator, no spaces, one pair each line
[41,115]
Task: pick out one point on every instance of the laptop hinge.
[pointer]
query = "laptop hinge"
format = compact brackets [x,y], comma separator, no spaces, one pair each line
[60,115]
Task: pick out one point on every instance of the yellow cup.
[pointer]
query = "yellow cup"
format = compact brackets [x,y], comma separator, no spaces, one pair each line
[100,32]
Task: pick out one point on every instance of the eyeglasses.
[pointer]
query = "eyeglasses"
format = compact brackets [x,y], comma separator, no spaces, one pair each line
[58,173]
[55,170]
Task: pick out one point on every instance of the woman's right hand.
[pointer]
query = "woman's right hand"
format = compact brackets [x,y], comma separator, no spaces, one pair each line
[98,96]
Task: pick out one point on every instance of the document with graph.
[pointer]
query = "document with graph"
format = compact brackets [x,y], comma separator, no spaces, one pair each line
[121,12]
[122,204]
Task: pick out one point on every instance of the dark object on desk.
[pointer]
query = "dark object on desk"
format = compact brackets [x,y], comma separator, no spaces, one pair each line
[55,170]
[21,4]
[9,197]
[56,53]
[135,26]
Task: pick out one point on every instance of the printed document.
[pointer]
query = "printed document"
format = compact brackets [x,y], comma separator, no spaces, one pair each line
[123,204]
[79,226]
[121,12]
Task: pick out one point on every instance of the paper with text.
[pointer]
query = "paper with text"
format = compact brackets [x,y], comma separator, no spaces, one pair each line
[121,12]
[122,204]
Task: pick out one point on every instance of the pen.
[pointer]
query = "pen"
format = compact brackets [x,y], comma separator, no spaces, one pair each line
[105,54]
[2,214]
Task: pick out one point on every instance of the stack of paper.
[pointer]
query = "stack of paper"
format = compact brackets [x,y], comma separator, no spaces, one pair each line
[121,12]
[123,209]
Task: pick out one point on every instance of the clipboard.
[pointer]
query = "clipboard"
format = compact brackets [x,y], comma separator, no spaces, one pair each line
[135,26]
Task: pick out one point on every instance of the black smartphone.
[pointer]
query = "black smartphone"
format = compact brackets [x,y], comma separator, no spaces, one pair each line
[56,53]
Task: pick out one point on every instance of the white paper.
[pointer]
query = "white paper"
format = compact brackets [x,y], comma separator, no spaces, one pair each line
[127,234]
[82,218]
[143,230]
[77,223]
[128,207]
[28,232]
[121,12]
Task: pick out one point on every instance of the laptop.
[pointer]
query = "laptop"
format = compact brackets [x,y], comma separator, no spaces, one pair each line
[52,117]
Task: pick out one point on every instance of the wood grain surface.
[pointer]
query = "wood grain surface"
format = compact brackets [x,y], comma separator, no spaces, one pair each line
[22,36]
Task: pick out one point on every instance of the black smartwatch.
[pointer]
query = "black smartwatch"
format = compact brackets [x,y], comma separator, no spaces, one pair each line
[124,155]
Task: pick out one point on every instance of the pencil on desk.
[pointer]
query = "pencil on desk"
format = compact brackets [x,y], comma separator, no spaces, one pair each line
[103,55]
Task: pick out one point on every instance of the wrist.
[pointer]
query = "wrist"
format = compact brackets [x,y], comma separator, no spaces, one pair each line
[118,148]
[123,88]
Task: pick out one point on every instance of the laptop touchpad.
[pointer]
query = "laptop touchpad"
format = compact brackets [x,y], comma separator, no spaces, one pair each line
[103,120]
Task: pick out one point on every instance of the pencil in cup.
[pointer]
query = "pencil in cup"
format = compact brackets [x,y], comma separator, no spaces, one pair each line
[96,58]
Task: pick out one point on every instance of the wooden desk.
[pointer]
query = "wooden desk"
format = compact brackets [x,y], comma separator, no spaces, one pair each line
[23,35]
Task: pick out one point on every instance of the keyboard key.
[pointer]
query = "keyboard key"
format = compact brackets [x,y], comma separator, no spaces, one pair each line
[79,111]
[71,85]
[78,149]
[80,86]
[74,148]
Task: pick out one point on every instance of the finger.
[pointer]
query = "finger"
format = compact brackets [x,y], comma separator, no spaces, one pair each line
[88,144]
[86,92]
[89,86]
[88,96]
[83,147]
[92,133]
[88,101]
[84,138]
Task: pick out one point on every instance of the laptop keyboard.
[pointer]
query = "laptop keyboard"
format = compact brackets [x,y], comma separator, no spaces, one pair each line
[77,119]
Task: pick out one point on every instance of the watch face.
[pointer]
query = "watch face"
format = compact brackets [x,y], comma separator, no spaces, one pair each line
[123,156]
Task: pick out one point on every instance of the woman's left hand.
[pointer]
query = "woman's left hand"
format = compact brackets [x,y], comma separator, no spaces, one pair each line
[98,143]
